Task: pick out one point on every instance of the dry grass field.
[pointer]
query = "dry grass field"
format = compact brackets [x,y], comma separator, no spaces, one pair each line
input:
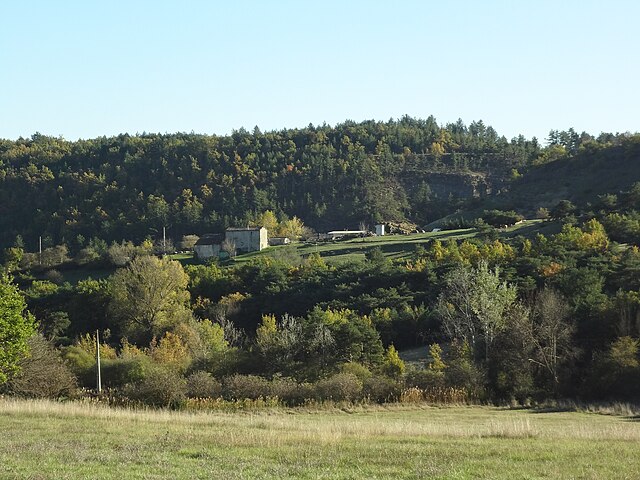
[47,440]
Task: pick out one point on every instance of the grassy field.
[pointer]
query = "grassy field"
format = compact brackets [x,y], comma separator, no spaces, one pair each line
[396,247]
[42,440]
[392,246]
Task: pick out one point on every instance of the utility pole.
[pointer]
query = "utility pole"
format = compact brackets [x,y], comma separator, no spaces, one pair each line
[164,241]
[98,377]
[40,249]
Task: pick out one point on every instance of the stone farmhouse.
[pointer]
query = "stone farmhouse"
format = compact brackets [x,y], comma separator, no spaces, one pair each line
[245,240]
[208,246]
[248,239]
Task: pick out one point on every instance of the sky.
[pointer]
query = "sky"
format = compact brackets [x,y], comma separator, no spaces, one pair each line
[83,69]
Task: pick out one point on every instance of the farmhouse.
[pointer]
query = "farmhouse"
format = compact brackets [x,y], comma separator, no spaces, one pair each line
[248,239]
[208,246]
[245,240]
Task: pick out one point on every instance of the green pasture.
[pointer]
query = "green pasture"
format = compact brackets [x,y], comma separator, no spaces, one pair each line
[47,440]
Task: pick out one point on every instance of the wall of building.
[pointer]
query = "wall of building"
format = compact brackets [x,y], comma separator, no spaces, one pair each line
[248,240]
[206,251]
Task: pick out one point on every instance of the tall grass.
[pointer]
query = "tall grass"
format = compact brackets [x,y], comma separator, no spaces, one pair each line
[76,440]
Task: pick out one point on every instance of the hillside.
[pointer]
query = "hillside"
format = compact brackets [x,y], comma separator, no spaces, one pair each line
[130,187]
[593,171]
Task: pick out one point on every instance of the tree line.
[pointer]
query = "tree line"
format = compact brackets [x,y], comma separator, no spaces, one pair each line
[130,187]
[552,315]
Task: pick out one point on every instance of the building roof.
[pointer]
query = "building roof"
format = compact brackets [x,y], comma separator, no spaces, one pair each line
[211,239]
[244,229]
[346,232]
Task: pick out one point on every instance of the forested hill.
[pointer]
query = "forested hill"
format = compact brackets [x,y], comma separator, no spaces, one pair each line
[129,187]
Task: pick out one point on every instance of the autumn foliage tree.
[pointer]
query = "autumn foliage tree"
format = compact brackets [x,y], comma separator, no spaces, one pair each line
[149,297]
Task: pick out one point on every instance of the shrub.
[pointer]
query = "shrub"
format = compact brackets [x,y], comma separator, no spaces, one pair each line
[239,387]
[436,395]
[121,371]
[160,387]
[425,378]
[290,392]
[339,387]
[497,218]
[82,364]
[54,276]
[381,389]
[43,374]
[357,369]
[203,385]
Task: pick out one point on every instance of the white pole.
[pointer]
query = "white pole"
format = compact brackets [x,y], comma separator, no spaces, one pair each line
[164,240]
[98,379]
[40,249]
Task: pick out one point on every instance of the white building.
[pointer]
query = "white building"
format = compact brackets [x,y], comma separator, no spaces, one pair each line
[335,234]
[279,241]
[380,230]
[248,239]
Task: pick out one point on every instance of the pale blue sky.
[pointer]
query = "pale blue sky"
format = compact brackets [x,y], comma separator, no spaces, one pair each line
[82,69]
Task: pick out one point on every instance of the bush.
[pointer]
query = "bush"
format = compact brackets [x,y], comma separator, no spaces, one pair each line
[357,369]
[121,371]
[436,395]
[339,387]
[239,387]
[203,385]
[82,364]
[290,392]
[381,389]
[54,276]
[425,378]
[43,374]
[160,387]
[497,218]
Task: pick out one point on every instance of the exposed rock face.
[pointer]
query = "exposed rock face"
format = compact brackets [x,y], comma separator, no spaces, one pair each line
[455,184]
[462,185]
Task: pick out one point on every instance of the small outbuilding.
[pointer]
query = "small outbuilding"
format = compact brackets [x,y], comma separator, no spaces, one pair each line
[208,246]
[335,234]
[380,230]
[279,241]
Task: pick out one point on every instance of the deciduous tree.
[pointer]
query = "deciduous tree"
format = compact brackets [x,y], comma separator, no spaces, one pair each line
[16,326]
[149,296]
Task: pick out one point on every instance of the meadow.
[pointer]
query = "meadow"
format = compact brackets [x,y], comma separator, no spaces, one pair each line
[46,440]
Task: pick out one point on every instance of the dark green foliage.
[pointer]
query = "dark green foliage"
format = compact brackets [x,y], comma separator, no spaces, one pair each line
[462,371]
[333,321]
[160,387]
[616,372]
[339,387]
[129,187]
[563,209]
[426,378]
[118,372]
[498,218]
[238,387]
[379,388]
[43,374]
[16,327]
[203,385]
